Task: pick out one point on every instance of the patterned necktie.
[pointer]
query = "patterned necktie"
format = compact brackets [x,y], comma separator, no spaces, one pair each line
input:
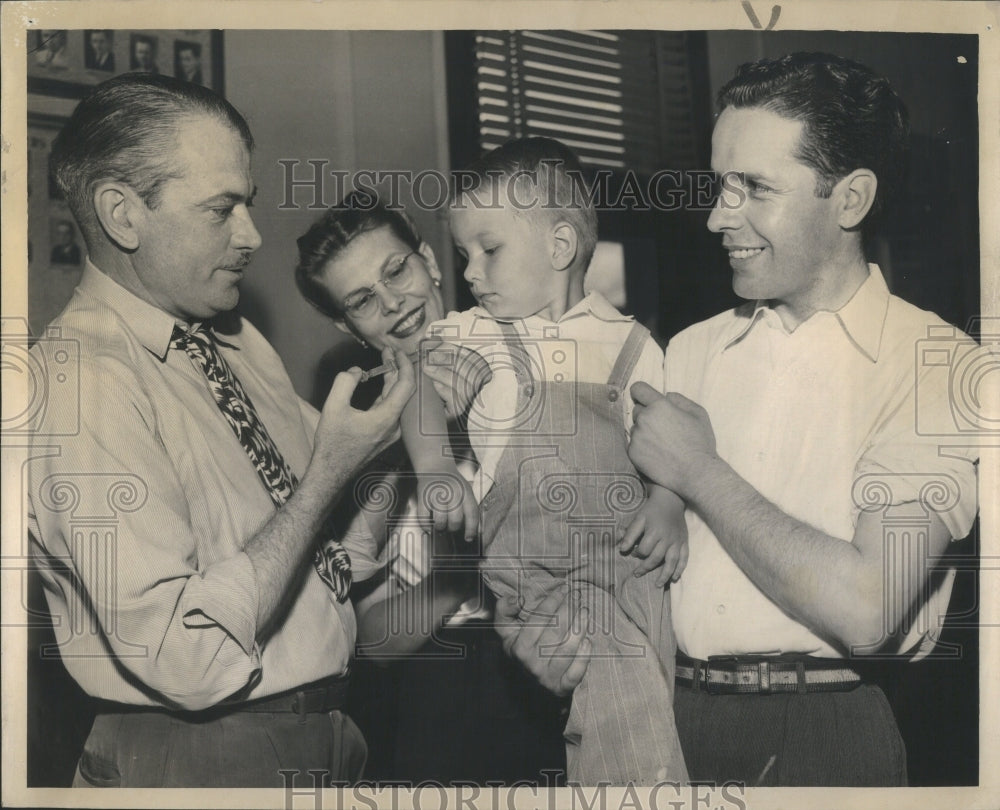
[333,563]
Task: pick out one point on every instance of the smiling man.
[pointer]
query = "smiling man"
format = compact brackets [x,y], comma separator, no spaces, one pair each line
[790,431]
[179,524]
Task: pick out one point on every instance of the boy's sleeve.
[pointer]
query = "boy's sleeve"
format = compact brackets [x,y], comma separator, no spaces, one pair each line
[454,327]
[648,369]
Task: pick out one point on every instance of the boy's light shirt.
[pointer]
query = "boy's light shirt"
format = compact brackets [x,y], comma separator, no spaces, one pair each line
[581,346]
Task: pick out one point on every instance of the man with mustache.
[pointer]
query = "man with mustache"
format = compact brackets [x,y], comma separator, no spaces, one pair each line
[179,524]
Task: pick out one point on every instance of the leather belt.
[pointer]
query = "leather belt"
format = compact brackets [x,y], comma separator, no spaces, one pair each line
[765,674]
[319,697]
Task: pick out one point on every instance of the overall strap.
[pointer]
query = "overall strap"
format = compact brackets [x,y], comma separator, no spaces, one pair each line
[628,356]
[520,360]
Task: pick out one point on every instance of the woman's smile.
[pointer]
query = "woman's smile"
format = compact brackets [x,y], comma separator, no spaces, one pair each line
[411,323]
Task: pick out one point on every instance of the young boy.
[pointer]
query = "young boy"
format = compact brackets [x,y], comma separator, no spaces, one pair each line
[556,488]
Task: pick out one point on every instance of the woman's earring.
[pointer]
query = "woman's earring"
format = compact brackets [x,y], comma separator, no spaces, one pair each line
[363,342]
[437,282]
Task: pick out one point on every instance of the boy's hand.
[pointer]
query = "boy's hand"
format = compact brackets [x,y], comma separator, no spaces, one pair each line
[658,536]
[446,498]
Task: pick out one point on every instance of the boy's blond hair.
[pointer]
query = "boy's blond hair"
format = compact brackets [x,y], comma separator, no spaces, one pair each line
[542,176]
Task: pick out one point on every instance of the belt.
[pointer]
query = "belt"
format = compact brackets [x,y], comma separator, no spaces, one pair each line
[318,697]
[765,674]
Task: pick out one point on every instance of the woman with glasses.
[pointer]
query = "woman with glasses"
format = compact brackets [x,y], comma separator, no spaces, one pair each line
[366,267]
[461,709]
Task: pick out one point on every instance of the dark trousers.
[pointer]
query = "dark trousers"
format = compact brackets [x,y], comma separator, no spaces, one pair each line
[480,717]
[242,749]
[819,738]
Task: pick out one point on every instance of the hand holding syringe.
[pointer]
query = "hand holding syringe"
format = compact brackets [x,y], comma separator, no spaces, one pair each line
[378,371]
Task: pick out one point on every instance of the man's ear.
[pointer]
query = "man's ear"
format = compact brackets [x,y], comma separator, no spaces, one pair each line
[116,206]
[564,243]
[856,193]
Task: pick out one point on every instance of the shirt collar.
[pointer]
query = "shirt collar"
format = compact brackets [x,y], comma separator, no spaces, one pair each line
[593,303]
[862,318]
[152,326]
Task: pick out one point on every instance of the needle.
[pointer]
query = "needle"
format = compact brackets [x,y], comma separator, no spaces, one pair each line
[383,369]
[378,371]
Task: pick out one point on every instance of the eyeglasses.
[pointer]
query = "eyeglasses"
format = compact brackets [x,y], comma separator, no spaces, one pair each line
[398,276]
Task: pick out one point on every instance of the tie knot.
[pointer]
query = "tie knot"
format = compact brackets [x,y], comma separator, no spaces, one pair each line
[187,339]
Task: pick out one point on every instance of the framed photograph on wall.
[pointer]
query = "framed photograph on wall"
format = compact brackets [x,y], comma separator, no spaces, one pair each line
[67,62]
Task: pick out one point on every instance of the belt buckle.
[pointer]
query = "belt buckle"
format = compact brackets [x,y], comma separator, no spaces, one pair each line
[745,677]
[723,663]
[764,676]
[299,705]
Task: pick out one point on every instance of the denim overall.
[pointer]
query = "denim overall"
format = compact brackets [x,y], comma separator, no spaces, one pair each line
[564,492]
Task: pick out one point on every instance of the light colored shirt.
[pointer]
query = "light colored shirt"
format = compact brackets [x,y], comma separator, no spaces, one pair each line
[142,500]
[582,346]
[820,421]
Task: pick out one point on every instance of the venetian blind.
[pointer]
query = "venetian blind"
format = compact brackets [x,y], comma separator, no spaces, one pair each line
[619,99]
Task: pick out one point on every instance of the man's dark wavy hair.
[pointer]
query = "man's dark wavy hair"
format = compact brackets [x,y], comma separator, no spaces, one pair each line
[852,118]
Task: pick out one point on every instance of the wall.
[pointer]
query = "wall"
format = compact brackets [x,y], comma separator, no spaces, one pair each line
[361,100]
[923,68]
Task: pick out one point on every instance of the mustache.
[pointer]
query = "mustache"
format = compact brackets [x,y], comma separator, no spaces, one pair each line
[239,264]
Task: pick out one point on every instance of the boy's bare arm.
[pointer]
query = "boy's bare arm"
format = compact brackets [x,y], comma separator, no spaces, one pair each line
[443,494]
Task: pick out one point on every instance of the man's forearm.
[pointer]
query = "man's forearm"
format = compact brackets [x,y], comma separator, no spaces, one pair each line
[826,583]
[345,440]
[278,550]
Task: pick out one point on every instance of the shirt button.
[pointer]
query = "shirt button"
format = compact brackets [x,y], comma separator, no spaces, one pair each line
[720,609]
[529,390]
[613,395]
